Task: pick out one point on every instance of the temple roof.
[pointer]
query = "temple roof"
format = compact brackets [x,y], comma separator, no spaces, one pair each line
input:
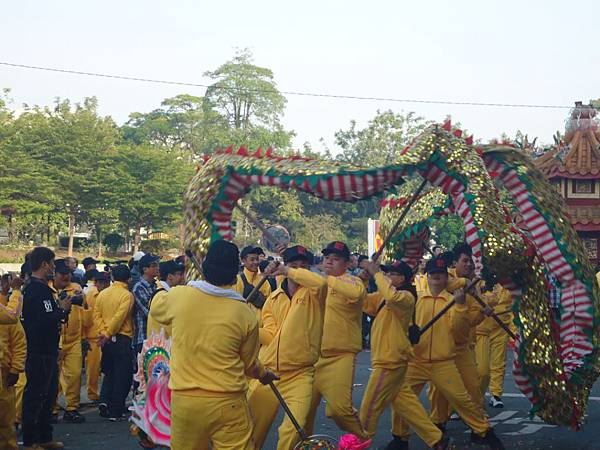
[584,218]
[578,156]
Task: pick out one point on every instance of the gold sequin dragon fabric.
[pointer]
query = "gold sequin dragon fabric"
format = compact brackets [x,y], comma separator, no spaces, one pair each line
[555,361]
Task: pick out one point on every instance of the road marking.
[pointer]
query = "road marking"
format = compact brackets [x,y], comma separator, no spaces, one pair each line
[529,429]
[504,415]
[528,426]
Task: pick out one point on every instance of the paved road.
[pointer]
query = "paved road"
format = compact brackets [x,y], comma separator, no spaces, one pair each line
[512,425]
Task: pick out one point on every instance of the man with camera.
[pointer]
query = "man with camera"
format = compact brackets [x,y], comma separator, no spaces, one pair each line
[70,356]
[43,314]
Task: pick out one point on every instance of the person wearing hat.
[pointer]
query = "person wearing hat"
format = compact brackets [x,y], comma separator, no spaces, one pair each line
[43,313]
[134,266]
[250,277]
[89,263]
[100,280]
[393,307]
[172,274]
[13,350]
[71,358]
[334,372]
[113,316]
[464,269]
[215,343]
[434,359]
[291,343]
[143,291]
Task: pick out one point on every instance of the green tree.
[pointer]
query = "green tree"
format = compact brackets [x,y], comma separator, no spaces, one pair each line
[245,94]
[382,141]
[448,231]
[150,187]
[183,123]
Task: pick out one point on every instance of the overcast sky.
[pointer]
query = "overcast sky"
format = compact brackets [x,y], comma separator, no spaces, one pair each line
[534,52]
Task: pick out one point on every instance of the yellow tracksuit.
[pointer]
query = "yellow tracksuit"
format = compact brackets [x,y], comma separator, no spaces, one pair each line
[253,278]
[153,325]
[466,365]
[434,360]
[94,355]
[209,366]
[342,340]
[71,362]
[10,310]
[420,282]
[491,344]
[112,310]
[13,351]
[291,343]
[390,349]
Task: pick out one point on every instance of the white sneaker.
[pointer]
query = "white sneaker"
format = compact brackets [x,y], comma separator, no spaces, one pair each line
[496,402]
[454,416]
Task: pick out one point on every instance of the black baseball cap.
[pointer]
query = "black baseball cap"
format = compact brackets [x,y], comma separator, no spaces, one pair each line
[89,261]
[60,266]
[337,247]
[121,273]
[102,277]
[250,250]
[398,267]
[148,259]
[170,267]
[295,253]
[436,265]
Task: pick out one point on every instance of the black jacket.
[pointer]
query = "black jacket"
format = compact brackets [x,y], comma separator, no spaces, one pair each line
[41,318]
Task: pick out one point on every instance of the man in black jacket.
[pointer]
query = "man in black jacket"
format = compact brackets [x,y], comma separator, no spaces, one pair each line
[43,313]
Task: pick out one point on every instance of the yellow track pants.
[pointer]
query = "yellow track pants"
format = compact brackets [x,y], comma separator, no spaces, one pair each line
[70,375]
[224,421]
[407,410]
[491,361]
[19,388]
[382,388]
[8,436]
[296,388]
[445,376]
[92,370]
[334,377]
[467,367]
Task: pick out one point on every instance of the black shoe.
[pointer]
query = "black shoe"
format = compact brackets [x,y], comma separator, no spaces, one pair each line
[103,409]
[397,443]
[73,417]
[445,444]
[490,439]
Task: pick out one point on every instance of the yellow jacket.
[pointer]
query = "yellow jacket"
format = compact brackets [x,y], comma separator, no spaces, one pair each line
[10,309]
[420,282]
[253,278]
[152,324]
[342,329]
[72,331]
[90,327]
[390,347]
[500,300]
[292,329]
[112,310]
[214,340]
[438,342]
[13,346]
